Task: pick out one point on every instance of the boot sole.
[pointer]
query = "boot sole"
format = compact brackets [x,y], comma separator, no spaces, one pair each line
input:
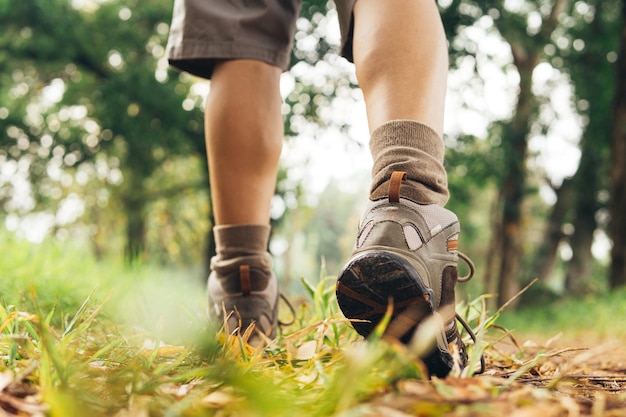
[374,279]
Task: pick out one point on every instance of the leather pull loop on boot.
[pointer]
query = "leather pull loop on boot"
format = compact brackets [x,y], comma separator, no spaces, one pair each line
[395,183]
[244,279]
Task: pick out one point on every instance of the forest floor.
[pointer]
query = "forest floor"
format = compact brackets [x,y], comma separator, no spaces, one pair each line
[92,368]
[560,377]
[79,338]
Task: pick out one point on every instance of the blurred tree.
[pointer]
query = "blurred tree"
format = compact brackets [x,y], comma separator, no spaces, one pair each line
[112,98]
[618,167]
[527,45]
[576,39]
[473,169]
[84,83]
[527,27]
[594,40]
[587,54]
[546,258]
[86,98]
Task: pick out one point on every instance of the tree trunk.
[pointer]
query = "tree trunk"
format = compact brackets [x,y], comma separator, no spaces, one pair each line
[548,252]
[135,230]
[618,170]
[579,267]
[492,261]
[515,143]
[587,182]
[134,202]
[593,79]
[526,50]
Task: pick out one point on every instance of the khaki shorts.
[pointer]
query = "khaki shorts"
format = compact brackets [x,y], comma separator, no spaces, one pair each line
[203,32]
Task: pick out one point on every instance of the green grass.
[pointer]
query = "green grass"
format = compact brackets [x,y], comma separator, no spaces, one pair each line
[60,276]
[84,338]
[599,315]
[100,339]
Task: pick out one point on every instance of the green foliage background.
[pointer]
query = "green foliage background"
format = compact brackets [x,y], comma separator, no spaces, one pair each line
[92,117]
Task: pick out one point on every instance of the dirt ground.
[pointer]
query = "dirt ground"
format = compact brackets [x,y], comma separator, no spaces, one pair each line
[575,376]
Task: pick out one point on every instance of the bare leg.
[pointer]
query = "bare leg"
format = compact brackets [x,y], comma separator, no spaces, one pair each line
[401,59]
[244,133]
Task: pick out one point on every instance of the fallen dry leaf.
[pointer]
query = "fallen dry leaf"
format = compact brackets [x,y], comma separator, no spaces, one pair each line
[18,398]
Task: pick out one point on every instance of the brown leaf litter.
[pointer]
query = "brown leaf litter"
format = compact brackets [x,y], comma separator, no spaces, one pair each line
[549,379]
[529,380]
[18,397]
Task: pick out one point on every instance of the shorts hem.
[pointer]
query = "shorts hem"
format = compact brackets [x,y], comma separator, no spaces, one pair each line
[199,57]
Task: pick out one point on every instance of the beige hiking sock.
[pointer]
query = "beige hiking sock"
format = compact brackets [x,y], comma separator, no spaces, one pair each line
[238,245]
[412,147]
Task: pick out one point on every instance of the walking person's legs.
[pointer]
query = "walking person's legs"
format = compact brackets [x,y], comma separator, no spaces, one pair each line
[406,248]
[242,46]
[244,133]
[401,59]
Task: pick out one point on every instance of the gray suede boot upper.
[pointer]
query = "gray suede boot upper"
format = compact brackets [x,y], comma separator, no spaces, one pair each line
[242,289]
[406,254]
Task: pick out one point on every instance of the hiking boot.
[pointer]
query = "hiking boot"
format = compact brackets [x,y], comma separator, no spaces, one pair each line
[406,255]
[244,296]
